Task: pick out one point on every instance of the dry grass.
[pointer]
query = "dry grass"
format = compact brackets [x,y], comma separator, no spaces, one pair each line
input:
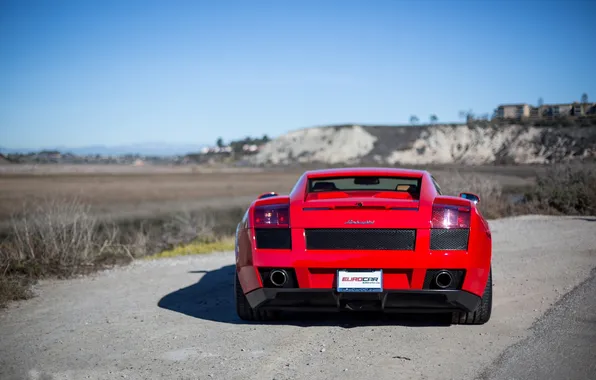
[557,189]
[196,248]
[126,194]
[493,201]
[565,189]
[62,237]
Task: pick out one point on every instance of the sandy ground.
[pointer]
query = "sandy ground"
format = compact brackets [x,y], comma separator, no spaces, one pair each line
[562,344]
[175,319]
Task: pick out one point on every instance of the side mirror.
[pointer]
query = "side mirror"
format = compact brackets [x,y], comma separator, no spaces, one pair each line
[267,195]
[472,197]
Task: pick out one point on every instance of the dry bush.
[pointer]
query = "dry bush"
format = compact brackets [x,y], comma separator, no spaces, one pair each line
[13,288]
[565,189]
[62,237]
[493,203]
[56,236]
[187,226]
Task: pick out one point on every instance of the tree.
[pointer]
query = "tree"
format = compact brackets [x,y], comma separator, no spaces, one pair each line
[220,143]
[413,119]
[468,115]
[584,98]
[540,102]
[433,118]
[265,138]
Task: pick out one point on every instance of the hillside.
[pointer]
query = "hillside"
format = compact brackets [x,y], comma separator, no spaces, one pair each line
[440,144]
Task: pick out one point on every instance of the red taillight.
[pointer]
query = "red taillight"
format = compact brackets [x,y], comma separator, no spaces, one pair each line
[448,216]
[272,216]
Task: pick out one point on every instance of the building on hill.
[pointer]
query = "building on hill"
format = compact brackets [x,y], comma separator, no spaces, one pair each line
[513,111]
[545,111]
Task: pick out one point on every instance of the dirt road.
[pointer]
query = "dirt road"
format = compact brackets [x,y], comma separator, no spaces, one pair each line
[174,319]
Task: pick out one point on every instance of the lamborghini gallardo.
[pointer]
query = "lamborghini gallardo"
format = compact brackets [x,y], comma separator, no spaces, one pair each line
[364,239]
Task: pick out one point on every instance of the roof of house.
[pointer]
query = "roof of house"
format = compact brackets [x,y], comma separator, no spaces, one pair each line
[514,105]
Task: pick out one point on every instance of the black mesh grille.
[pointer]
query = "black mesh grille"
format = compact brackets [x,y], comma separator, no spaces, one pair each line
[274,238]
[449,239]
[360,238]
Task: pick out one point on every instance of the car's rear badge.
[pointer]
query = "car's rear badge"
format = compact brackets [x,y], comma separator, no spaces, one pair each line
[360,222]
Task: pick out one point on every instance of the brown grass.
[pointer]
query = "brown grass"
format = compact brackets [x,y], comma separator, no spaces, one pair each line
[62,237]
[131,194]
[493,200]
[565,189]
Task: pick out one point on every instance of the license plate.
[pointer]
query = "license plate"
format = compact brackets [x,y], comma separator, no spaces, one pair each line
[360,281]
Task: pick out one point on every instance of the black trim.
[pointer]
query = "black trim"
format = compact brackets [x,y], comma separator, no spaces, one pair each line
[273,238]
[449,239]
[360,239]
[403,301]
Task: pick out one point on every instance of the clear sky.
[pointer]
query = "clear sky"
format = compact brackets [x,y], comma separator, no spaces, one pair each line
[120,71]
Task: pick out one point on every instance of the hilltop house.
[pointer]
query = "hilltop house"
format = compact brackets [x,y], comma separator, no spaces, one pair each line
[545,111]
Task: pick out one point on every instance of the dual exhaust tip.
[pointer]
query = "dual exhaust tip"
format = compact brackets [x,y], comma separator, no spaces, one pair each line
[444,279]
[278,277]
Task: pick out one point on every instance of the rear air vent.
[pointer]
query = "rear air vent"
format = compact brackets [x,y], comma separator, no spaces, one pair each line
[273,238]
[449,239]
[360,239]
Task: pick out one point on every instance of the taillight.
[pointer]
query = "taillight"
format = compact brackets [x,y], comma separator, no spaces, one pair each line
[272,216]
[448,216]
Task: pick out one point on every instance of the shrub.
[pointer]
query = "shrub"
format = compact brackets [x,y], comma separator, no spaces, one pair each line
[61,237]
[56,236]
[13,288]
[493,203]
[565,189]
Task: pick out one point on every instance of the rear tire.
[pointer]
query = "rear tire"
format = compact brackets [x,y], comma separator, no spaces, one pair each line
[243,309]
[482,313]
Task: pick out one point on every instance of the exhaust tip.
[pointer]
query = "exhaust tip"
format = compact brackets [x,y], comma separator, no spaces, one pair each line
[278,277]
[443,279]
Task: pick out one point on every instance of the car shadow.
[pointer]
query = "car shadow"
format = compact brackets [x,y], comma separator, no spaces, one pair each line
[212,298]
[586,219]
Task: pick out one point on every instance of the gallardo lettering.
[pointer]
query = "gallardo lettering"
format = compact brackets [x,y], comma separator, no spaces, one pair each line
[360,279]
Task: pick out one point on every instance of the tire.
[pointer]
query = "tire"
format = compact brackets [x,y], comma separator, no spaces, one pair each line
[482,314]
[243,309]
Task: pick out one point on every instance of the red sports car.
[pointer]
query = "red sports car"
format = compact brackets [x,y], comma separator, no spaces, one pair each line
[381,239]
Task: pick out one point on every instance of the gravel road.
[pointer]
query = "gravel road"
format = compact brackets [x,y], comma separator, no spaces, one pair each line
[175,319]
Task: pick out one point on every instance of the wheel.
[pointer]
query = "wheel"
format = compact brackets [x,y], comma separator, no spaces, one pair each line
[243,309]
[482,314]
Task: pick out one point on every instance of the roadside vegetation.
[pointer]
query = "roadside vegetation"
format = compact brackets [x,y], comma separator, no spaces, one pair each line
[559,190]
[60,238]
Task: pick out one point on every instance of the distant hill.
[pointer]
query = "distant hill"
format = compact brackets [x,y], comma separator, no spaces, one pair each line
[144,149]
[483,143]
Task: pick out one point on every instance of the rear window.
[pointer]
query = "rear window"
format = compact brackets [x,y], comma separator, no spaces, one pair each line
[359,183]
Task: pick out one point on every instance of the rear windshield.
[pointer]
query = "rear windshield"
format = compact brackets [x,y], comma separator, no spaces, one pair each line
[359,183]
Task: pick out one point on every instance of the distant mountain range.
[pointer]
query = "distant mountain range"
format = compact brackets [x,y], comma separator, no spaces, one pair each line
[144,149]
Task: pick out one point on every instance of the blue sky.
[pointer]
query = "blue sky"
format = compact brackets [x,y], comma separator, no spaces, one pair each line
[118,72]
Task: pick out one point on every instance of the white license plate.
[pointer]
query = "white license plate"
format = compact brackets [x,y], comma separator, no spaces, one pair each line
[360,281]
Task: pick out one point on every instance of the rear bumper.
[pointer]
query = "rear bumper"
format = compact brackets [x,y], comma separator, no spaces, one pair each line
[402,301]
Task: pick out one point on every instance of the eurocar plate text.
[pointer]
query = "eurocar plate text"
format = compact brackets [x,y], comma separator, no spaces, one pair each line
[360,281]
